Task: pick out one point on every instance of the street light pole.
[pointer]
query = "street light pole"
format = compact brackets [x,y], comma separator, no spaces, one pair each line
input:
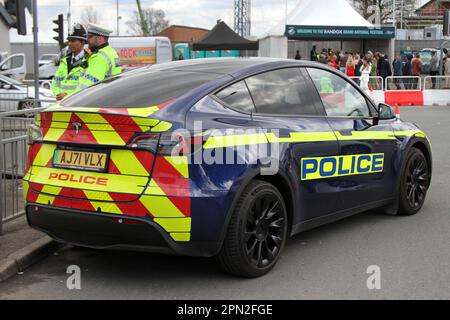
[118,17]
[36,52]
[69,17]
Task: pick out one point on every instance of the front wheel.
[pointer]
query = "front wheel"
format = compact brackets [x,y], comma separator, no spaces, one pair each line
[415,181]
[256,233]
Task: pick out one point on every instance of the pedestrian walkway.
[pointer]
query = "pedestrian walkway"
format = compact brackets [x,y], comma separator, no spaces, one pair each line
[17,235]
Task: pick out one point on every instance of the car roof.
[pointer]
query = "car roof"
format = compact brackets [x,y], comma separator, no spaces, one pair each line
[223,66]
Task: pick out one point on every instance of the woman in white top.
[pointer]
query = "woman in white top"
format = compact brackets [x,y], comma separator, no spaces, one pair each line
[366,69]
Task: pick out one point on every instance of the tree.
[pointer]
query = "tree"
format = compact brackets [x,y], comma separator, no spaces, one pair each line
[154,21]
[380,11]
[89,15]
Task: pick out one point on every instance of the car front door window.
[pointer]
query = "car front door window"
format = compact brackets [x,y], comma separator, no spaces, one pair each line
[340,98]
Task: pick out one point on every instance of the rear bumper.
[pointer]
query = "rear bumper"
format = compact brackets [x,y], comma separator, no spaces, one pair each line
[104,231]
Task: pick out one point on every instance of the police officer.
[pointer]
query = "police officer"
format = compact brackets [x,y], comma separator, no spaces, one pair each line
[104,62]
[65,81]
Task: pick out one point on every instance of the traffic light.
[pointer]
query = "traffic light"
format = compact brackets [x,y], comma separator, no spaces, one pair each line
[16,9]
[59,30]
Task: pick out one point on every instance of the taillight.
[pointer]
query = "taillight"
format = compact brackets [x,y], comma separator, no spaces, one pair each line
[170,143]
[146,141]
[34,134]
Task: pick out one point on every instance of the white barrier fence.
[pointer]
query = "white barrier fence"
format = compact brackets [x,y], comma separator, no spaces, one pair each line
[434,89]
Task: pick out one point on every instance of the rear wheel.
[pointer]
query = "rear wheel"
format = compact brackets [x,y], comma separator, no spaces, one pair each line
[415,181]
[256,233]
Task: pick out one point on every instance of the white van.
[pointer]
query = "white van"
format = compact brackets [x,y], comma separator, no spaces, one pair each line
[14,66]
[140,51]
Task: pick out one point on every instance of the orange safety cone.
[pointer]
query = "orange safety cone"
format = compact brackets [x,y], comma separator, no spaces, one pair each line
[397,111]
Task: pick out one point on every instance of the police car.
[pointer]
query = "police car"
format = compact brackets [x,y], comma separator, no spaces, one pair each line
[223,158]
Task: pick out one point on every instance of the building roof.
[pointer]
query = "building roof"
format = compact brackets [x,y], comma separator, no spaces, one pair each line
[430,2]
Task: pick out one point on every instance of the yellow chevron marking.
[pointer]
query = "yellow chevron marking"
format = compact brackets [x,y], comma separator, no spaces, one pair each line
[58,126]
[127,163]
[142,112]
[103,137]
[174,224]
[161,207]
[44,155]
[154,189]
[25,187]
[109,207]
[162,127]
[181,237]
[45,199]
[54,134]
[145,121]
[180,163]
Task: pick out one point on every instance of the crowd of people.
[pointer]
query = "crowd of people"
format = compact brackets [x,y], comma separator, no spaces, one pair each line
[366,69]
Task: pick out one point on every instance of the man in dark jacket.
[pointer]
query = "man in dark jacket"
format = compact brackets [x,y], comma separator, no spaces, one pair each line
[385,67]
[407,71]
[398,70]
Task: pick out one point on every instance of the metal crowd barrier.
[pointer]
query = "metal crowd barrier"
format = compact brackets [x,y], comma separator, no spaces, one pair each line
[436,83]
[375,82]
[13,157]
[403,83]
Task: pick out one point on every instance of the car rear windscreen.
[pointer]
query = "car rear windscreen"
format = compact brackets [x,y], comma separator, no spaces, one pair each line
[139,90]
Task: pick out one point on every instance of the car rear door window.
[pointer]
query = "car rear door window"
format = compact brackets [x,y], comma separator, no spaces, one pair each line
[281,92]
[237,97]
[339,97]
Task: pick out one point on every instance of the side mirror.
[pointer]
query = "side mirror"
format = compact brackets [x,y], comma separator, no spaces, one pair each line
[386,112]
[7,86]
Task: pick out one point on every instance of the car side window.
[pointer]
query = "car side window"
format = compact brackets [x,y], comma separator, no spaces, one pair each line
[237,97]
[281,92]
[339,97]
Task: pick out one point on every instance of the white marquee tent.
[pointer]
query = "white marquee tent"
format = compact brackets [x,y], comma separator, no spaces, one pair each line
[312,13]
[321,13]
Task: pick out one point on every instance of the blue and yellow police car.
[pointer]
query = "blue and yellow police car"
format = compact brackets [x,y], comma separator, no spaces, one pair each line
[223,158]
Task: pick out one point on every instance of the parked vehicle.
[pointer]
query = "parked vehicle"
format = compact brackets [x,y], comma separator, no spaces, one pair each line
[219,157]
[14,66]
[141,51]
[425,56]
[23,94]
[47,58]
[47,71]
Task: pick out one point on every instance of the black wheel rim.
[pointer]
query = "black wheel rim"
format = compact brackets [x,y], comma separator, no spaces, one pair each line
[264,230]
[416,181]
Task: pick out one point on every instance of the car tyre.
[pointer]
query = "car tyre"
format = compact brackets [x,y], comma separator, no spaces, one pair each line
[28,104]
[256,233]
[414,184]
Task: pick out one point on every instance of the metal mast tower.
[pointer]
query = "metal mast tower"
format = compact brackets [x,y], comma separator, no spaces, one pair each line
[242,17]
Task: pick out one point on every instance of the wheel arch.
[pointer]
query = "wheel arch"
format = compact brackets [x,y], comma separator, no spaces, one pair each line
[280,181]
[427,153]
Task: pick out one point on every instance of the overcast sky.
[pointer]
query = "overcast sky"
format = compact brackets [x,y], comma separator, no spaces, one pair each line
[198,13]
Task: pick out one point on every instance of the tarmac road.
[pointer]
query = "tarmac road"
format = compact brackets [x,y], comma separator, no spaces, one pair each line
[330,262]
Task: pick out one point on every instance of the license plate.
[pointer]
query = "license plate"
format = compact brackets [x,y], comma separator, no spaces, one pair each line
[84,160]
